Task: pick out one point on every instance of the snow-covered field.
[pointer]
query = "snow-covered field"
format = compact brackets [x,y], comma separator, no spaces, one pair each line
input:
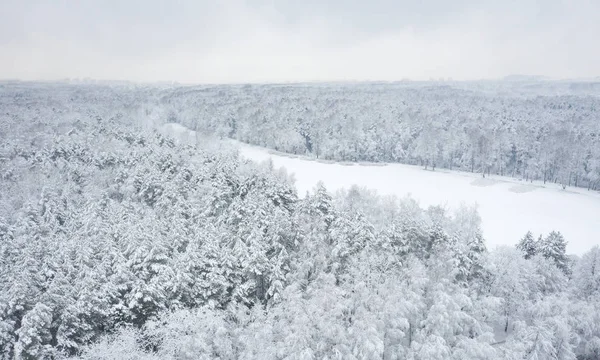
[508,207]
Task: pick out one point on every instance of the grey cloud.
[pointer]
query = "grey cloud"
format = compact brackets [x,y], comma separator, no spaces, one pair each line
[268,40]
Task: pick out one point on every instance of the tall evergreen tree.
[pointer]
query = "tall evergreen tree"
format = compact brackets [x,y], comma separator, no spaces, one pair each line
[554,246]
[528,245]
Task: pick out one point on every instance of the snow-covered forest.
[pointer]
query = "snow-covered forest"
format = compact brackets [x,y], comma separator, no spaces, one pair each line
[542,131]
[120,242]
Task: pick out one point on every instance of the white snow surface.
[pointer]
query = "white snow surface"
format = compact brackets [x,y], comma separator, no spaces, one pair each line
[179,132]
[508,207]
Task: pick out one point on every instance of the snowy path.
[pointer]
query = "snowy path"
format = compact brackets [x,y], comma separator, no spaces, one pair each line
[508,207]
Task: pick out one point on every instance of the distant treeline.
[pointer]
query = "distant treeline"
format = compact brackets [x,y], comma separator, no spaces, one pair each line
[543,131]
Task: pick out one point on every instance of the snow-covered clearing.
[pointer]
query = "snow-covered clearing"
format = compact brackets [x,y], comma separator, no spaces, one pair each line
[179,132]
[508,207]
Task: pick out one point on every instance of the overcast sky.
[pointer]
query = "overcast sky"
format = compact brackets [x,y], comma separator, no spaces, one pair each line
[234,41]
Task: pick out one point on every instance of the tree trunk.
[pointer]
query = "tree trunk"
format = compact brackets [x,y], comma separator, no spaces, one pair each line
[544,175]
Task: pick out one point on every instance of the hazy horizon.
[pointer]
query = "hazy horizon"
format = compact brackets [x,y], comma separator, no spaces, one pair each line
[508,78]
[263,41]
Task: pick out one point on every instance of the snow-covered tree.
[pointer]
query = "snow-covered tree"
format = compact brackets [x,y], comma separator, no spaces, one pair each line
[586,274]
[554,247]
[528,245]
[34,334]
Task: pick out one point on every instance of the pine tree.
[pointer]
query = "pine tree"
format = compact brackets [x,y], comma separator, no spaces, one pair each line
[554,247]
[528,245]
[34,334]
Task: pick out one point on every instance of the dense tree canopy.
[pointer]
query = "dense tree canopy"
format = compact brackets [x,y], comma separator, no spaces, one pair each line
[542,131]
[119,242]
